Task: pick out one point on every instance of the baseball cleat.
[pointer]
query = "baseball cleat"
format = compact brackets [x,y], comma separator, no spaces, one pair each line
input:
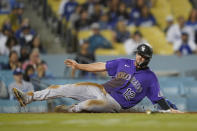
[20,96]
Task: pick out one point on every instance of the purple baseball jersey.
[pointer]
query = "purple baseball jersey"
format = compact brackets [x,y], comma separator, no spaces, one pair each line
[129,86]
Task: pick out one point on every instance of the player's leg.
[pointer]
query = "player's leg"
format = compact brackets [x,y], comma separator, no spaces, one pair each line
[55,91]
[92,105]
[97,106]
[104,104]
[79,92]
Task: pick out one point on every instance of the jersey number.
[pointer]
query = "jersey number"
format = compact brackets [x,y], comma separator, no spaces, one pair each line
[129,94]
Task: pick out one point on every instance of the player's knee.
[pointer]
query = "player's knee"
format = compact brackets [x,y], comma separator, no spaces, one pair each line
[96,103]
[53,87]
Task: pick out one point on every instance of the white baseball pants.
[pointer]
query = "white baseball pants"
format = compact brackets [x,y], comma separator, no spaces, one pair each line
[92,97]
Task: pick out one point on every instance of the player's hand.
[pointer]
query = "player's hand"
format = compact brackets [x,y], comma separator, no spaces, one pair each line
[71,63]
[175,111]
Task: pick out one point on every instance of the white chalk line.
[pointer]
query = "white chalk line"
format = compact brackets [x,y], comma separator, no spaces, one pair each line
[34,122]
[110,122]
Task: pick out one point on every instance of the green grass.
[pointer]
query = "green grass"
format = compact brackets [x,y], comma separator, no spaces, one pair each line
[98,122]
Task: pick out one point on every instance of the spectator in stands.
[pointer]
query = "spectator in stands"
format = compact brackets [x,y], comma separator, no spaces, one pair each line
[169,23]
[95,16]
[34,59]
[25,35]
[61,7]
[15,22]
[89,6]
[121,34]
[122,12]
[7,24]
[13,62]
[146,18]
[174,32]
[132,43]
[185,46]
[75,16]
[4,34]
[25,22]
[24,54]
[36,44]
[135,12]
[192,22]
[41,72]
[104,22]
[3,90]
[19,83]
[69,8]
[140,3]
[97,40]
[112,13]
[84,57]
[20,11]
[129,3]
[29,73]
[11,44]
[84,22]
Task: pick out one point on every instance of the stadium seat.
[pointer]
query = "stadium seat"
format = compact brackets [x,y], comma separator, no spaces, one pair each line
[81,1]
[180,8]
[54,4]
[3,17]
[120,48]
[108,34]
[157,40]
[161,10]
[132,29]
[84,34]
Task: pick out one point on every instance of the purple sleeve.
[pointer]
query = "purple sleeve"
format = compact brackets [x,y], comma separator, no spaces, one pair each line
[154,92]
[112,66]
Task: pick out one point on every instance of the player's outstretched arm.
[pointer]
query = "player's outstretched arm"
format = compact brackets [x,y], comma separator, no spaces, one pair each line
[93,67]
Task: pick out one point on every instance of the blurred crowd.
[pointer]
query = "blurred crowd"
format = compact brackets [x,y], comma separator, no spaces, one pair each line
[22,45]
[117,15]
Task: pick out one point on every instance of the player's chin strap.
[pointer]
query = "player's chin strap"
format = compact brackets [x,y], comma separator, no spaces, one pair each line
[144,64]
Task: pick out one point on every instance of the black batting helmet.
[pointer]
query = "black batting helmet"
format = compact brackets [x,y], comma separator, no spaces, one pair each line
[145,51]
